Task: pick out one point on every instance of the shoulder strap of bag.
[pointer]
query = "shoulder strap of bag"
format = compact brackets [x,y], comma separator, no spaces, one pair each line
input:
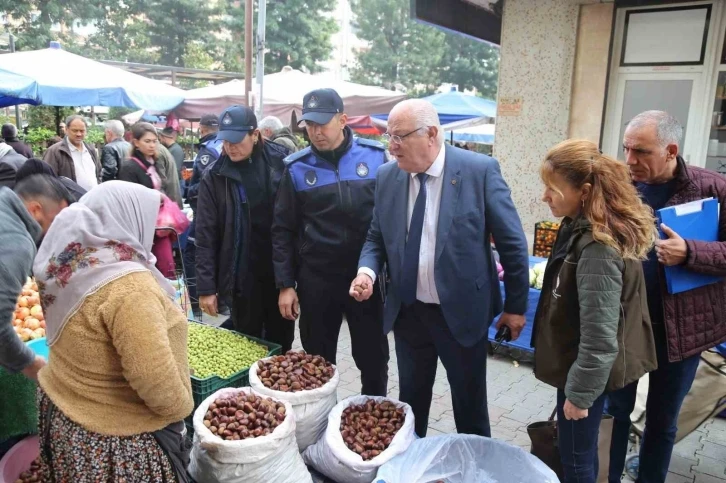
[140,163]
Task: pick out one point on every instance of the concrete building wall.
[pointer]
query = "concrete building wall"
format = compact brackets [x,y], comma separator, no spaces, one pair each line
[537,58]
[591,69]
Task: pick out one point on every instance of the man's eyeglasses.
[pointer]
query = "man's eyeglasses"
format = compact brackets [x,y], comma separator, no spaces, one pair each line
[394,138]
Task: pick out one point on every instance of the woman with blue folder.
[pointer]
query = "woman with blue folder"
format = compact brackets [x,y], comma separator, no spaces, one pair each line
[592,330]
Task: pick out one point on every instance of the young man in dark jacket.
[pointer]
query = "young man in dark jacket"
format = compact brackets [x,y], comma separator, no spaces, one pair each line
[322,214]
[684,324]
[233,220]
[25,217]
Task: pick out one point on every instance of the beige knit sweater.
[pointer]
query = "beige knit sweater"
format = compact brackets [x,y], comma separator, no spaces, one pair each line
[120,366]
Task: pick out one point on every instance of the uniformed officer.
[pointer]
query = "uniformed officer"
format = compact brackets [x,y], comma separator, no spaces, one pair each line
[208,151]
[323,210]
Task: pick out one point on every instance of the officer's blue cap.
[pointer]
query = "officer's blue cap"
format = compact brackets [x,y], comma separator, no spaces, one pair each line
[321,105]
[235,123]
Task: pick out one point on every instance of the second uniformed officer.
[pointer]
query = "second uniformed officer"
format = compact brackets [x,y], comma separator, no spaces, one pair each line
[208,150]
[322,213]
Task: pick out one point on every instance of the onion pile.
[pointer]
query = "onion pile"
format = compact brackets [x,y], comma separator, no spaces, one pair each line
[28,321]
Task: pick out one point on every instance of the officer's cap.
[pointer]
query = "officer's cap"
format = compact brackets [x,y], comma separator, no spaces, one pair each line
[321,105]
[235,123]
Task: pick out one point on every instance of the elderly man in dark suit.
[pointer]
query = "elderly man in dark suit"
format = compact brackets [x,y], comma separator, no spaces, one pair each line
[435,210]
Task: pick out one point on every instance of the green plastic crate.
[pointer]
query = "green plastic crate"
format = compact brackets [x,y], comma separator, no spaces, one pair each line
[203,388]
[19,415]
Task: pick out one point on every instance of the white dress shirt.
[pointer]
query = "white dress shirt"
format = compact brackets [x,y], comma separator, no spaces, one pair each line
[426,282]
[84,165]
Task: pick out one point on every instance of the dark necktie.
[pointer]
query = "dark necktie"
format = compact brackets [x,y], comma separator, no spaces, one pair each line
[409,271]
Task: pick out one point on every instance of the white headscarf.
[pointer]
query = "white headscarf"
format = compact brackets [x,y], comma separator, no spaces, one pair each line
[106,235]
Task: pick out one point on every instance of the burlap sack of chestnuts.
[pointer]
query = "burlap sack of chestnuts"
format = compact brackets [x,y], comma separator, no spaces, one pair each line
[312,398]
[245,452]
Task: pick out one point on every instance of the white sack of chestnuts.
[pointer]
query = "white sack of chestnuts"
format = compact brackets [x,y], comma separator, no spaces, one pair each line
[307,382]
[241,436]
[363,433]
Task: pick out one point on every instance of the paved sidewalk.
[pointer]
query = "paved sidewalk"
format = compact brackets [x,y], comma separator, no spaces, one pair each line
[516,399]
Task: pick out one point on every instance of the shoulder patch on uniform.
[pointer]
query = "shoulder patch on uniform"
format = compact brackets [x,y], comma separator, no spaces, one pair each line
[371,142]
[361,170]
[298,155]
[311,177]
[205,159]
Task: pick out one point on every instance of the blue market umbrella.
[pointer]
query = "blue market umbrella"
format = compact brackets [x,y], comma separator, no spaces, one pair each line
[481,134]
[55,77]
[455,106]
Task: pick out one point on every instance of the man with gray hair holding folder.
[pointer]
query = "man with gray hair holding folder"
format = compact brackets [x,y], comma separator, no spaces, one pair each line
[685,323]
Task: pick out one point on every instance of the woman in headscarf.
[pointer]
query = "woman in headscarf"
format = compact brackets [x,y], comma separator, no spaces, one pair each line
[116,388]
[141,168]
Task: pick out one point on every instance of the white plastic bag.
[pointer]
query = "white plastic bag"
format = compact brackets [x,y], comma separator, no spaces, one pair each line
[311,407]
[464,458]
[267,459]
[331,457]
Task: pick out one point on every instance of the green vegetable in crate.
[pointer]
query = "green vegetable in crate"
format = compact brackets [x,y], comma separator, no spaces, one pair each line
[539,271]
[217,352]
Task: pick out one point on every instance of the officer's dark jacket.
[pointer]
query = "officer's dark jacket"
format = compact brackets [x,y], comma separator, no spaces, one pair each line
[223,226]
[323,210]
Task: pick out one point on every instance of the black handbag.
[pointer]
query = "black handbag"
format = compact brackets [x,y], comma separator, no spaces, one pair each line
[545,445]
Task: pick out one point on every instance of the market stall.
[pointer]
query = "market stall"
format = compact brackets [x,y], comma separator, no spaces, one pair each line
[524,342]
[263,416]
[283,94]
[31,77]
[456,110]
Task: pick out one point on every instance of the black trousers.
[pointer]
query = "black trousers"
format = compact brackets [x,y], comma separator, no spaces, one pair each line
[257,313]
[324,299]
[422,336]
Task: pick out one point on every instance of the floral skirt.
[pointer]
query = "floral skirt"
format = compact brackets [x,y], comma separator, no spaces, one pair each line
[72,454]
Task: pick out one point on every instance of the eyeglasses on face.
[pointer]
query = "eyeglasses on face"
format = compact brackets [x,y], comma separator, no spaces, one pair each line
[394,138]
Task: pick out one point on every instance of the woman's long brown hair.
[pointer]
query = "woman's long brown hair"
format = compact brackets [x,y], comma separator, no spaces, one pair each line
[618,216]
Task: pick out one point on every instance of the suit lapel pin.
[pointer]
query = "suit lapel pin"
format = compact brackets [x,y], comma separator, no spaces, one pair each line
[453,181]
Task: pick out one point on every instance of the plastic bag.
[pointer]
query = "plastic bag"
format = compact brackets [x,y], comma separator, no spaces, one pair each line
[267,459]
[331,457]
[464,458]
[311,408]
[170,216]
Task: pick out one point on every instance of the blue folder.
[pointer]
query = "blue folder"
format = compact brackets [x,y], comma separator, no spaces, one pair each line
[697,220]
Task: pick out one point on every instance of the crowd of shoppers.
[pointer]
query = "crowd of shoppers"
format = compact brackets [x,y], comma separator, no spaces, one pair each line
[337,230]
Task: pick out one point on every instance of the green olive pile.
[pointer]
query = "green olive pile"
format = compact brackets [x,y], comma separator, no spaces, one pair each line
[369,428]
[33,474]
[217,352]
[243,416]
[295,371]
